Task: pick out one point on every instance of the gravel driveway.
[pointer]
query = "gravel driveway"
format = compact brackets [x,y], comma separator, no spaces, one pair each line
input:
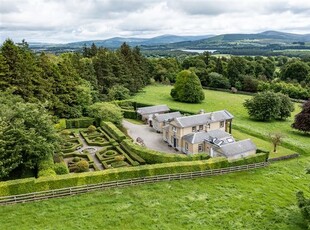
[152,140]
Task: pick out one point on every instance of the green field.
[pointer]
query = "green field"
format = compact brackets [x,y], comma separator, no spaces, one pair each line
[259,199]
[217,100]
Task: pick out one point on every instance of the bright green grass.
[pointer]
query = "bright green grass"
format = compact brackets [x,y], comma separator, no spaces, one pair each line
[258,199]
[217,100]
[281,151]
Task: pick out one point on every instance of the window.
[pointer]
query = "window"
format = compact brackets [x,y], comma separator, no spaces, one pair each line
[221,124]
[200,127]
[200,148]
[194,129]
[174,129]
[186,146]
[208,126]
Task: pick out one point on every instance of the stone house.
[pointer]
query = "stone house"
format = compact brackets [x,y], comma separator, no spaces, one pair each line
[161,120]
[203,122]
[147,113]
[217,143]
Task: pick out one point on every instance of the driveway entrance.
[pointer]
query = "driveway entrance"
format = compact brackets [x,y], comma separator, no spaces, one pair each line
[151,138]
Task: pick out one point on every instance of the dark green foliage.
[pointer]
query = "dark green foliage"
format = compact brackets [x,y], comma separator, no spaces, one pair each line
[83,122]
[295,70]
[104,111]
[269,105]
[187,88]
[164,69]
[249,84]
[118,92]
[236,69]
[302,120]
[218,81]
[27,135]
[293,90]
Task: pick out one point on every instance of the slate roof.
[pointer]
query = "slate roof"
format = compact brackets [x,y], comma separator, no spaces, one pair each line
[166,116]
[199,137]
[237,148]
[153,109]
[204,118]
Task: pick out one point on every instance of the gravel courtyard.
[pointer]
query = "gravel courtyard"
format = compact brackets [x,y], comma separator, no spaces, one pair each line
[152,140]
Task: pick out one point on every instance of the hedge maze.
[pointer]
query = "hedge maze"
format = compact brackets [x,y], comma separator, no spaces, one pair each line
[102,150]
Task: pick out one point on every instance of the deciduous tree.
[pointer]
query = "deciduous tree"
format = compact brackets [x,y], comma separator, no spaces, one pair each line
[302,120]
[187,88]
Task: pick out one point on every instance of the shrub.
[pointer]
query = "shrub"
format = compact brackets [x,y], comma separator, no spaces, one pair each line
[119,158]
[76,159]
[104,111]
[61,168]
[91,129]
[82,166]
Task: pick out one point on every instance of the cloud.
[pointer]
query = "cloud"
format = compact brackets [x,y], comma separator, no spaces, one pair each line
[71,20]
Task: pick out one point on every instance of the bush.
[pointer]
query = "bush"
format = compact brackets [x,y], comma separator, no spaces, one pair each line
[76,159]
[104,111]
[269,105]
[61,168]
[82,166]
[91,129]
[118,92]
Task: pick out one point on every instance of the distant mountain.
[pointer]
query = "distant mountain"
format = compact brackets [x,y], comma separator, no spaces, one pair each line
[258,39]
[268,40]
[118,41]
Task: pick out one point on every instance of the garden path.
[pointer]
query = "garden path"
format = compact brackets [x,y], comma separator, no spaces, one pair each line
[92,153]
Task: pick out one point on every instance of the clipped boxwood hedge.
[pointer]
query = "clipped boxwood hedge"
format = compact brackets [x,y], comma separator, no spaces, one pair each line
[82,122]
[113,131]
[28,185]
[153,157]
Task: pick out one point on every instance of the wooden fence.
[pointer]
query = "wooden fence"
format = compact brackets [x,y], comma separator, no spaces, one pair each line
[36,196]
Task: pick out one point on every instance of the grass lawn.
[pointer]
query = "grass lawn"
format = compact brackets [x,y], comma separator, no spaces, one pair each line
[258,199]
[281,151]
[217,100]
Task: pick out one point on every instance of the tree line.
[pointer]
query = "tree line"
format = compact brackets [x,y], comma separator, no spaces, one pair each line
[70,82]
[290,76]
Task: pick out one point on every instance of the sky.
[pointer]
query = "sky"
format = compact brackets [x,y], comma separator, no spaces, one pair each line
[62,21]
